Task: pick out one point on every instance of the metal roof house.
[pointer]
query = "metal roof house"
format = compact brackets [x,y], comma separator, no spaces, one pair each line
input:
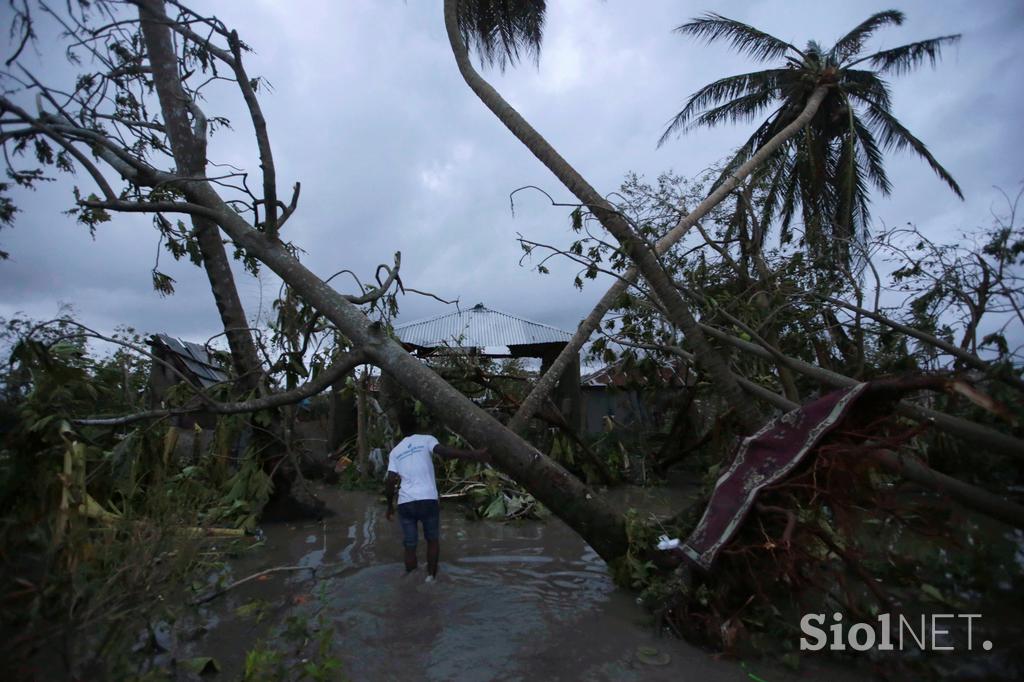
[493,333]
[193,361]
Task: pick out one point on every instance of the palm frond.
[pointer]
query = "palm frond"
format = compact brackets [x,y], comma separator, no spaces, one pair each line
[814,53]
[745,39]
[741,109]
[895,136]
[872,157]
[866,86]
[502,31]
[775,172]
[734,86]
[850,215]
[766,82]
[851,227]
[813,169]
[906,58]
[852,43]
[790,181]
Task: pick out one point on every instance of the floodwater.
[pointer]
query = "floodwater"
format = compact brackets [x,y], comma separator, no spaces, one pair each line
[520,601]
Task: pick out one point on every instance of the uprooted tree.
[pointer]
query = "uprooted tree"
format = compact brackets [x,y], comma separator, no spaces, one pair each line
[137,128]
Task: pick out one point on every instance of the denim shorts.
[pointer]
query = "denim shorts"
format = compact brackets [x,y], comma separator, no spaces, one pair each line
[427,512]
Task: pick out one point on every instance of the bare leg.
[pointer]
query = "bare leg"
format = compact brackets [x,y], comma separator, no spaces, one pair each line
[410,559]
[433,553]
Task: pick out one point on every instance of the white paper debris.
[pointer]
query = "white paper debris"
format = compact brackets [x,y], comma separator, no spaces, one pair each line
[665,542]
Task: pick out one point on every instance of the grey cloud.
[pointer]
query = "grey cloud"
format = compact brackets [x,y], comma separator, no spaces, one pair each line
[368,111]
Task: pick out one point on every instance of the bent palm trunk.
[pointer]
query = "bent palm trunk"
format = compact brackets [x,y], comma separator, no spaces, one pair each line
[589,325]
[710,361]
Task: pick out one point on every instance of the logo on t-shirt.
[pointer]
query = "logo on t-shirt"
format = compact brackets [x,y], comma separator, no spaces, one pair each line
[411,450]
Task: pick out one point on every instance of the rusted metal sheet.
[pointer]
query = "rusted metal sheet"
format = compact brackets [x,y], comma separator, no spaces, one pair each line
[478,327]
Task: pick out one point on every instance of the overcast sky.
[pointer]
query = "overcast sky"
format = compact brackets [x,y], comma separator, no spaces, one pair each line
[394,152]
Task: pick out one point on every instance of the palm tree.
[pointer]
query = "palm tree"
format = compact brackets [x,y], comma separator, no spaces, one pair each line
[827,168]
[523,31]
[502,31]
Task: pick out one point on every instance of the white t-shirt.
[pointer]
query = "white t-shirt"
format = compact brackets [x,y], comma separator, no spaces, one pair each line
[411,459]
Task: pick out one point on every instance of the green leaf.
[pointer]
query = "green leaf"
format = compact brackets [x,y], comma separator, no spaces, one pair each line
[255,608]
[791,660]
[932,592]
[202,665]
[496,509]
[41,423]
[577,219]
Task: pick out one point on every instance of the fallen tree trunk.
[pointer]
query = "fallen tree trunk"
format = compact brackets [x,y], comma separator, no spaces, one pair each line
[560,491]
[555,487]
[968,495]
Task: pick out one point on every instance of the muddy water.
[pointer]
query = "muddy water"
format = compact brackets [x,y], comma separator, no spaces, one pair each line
[518,601]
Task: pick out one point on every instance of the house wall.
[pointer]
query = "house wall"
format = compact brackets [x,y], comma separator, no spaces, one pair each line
[624,406]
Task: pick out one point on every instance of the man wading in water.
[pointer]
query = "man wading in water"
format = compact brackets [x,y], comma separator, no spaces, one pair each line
[411,467]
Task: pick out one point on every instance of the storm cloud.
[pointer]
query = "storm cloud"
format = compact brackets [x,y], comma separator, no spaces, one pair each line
[368,111]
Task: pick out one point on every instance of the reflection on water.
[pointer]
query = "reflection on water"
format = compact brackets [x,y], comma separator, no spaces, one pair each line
[514,601]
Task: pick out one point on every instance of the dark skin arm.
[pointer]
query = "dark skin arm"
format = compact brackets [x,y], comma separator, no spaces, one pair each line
[478,455]
[393,480]
[391,484]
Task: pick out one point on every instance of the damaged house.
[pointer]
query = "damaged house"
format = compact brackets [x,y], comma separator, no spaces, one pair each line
[200,367]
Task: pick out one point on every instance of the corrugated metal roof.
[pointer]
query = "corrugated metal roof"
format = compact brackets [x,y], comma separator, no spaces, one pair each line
[478,327]
[197,360]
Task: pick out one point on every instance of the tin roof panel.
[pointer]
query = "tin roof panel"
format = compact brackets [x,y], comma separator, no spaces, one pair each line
[478,327]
